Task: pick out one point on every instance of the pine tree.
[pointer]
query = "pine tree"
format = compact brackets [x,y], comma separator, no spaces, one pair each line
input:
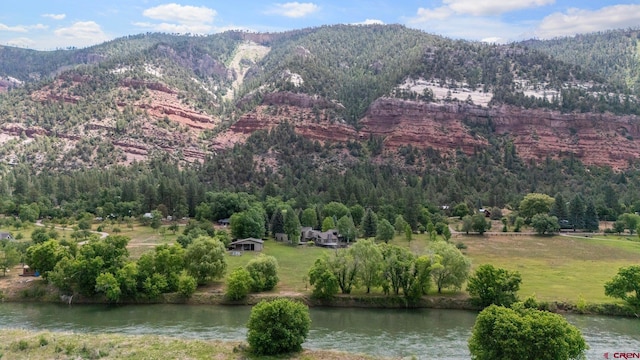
[559,208]
[576,212]
[292,226]
[591,222]
[369,223]
[277,222]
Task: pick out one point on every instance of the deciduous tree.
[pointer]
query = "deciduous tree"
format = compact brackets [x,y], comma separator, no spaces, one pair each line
[503,333]
[490,285]
[205,259]
[278,326]
[450,268]
[535,203]
[625,286]
[384,231]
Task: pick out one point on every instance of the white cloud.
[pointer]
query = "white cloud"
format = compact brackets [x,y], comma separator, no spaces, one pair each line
[38,27]
[18,28]
[55,16]
[473,28]
[294,9]
[576,21]
[179,18]
[86,31]
[492,7]
[425,15]
[475,8]
[370,22]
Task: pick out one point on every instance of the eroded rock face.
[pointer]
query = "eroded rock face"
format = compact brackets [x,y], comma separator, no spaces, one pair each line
[596,139]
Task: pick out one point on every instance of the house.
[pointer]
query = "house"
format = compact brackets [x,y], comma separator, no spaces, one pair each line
[224,222]
[329,238]
[6,236]
[248,244]
[281,237]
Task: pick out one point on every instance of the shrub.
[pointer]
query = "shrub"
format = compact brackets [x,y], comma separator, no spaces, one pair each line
[187,285]
[238,284]
[264,273]
[521,333]
[278,326]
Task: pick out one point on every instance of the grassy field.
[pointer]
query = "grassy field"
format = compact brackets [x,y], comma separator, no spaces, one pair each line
[22,344]
[560,268]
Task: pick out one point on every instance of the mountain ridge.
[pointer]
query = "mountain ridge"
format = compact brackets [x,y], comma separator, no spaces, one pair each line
[190,97]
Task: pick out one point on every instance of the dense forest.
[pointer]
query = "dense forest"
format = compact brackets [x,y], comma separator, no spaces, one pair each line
[69,168]
[306,175]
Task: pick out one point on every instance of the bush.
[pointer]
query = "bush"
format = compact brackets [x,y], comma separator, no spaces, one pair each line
[264,273]
[491,285]
[278,326]
[187,285]
[521,333]
[238,284]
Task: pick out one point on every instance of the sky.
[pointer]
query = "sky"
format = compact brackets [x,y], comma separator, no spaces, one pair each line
[58,24]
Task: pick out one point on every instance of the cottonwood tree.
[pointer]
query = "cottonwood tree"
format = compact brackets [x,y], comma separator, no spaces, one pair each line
[535,203]
[44,257]
[321,277]
[9,257]
[450,267]
[309,218]
[347,228]
[521,333]
[625,286]
[345,268]
[249,223]
[398,263]
[545,224]
[369,258]
[479,223]
[491,285]
[205,259]
[385,231]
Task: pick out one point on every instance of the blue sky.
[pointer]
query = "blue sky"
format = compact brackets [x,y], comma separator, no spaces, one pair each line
[51,24]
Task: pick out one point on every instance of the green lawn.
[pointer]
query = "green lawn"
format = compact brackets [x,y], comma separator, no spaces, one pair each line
[556,268]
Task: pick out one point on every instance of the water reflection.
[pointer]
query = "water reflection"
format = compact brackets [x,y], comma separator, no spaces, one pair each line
[424,333]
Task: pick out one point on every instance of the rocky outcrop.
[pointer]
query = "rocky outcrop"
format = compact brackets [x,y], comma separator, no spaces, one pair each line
[596,139]
[419,124]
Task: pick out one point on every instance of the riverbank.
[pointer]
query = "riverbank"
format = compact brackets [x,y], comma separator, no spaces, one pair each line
[35,290]
[36,345]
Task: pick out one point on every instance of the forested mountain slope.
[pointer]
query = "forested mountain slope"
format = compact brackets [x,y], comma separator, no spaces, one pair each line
[133,97]
[372,115]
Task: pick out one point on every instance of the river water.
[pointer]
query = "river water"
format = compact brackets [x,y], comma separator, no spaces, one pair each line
[424,333]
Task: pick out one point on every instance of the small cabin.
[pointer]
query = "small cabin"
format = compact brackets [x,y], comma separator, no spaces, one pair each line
[27,271]
[224,222]
[248,244]
[6,236]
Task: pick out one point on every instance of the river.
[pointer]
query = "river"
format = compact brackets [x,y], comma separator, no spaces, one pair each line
[424,333]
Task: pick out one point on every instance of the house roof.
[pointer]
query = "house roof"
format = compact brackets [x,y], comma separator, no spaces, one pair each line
[247,240]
